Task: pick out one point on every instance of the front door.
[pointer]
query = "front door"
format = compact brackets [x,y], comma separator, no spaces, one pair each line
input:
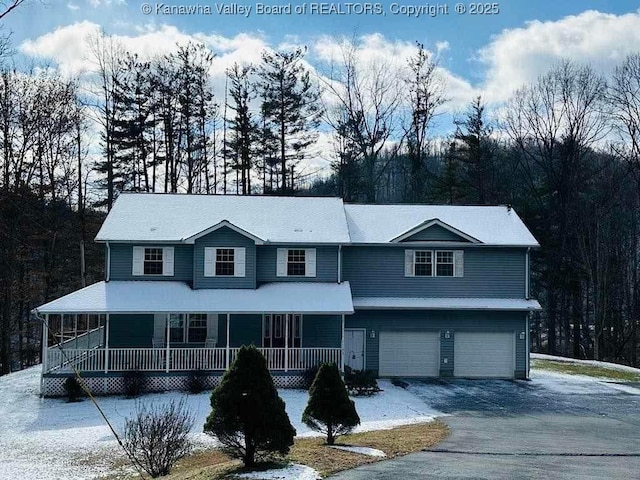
[277,326]
[354,348]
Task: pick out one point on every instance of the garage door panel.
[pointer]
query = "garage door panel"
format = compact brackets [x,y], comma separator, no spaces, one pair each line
[484,355]
[409,354]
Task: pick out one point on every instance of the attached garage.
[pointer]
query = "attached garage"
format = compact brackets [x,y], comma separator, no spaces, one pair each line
[409,354]
[484,355]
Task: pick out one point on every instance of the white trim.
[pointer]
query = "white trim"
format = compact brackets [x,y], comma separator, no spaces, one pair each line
[342,347]
[455,257]
[339,263]
[429,223]
[106,344]
[444,303]
[528,349]
[219,225]
[168,341]
[228,346]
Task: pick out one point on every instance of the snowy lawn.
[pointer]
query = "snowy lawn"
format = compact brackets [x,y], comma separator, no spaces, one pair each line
[49,438]
[590,368]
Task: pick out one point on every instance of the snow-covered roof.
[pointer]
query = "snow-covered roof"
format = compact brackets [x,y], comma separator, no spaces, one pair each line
[174,218]
[490,225]
[378,303]
[160,297]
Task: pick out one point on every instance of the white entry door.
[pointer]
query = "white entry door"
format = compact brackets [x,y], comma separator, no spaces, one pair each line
[354,348]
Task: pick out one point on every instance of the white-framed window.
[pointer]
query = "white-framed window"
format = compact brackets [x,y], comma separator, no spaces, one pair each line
[296,262]
[434,263]
[276,327]
[197,328]
[188,327]
[224,261]
[152,261]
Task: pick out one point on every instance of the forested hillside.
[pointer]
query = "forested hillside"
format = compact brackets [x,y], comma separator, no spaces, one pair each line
[564,151]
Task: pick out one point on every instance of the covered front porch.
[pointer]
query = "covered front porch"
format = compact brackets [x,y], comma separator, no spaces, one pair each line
[167,328]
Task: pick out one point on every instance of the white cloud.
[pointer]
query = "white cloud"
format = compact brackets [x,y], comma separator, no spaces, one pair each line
[520,55]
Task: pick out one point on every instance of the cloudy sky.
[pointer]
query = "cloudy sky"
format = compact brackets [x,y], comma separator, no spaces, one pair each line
[490,53]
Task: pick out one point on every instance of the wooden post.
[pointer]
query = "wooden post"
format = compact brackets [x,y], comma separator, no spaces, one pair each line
[287,317]
[168,335]
[106,345]
[228,346]
[342,347]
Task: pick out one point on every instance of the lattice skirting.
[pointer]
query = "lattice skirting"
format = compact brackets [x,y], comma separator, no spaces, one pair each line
[113,385]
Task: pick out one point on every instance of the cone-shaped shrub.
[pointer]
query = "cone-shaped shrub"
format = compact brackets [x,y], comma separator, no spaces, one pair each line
[330,410]
[248,417]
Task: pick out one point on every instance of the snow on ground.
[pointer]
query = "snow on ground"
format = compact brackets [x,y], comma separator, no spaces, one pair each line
[49,438]
[595,363]
[568,384]
[372,452]
[291,472]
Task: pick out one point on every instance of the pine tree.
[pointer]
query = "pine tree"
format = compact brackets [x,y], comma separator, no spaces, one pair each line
[330,410]
[248,417]
[291,106]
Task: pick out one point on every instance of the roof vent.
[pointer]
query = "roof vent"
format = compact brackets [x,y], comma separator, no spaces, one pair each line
[298,230]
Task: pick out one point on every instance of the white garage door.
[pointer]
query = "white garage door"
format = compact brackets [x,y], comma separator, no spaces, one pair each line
[484,355]
[409,354]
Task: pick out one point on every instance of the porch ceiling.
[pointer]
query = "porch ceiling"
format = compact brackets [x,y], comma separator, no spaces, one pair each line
[378,303]
[162,297]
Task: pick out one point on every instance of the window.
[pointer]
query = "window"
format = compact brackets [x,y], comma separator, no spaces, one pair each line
[176,328]
[277,326]
[444,264]
[225,261]
[423,264]
[153,261]
[296,263]
[197,328]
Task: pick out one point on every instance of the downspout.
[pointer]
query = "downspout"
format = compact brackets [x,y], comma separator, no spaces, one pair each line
[108,268]
[339,263]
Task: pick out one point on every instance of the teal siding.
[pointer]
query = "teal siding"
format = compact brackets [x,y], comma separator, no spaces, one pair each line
[326,264]
[225,237]
[130,331]
[122,263]
[245,330]
[435,233]
[442,321]
[322,331]
[488,272]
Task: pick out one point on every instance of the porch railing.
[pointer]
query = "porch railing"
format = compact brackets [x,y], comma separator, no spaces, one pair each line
[180,359]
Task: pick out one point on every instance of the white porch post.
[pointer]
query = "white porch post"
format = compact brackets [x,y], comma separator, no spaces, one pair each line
[167,334]
[106,345]
[228,352]
[45,343]
[342,346]
[75,329]
[287,317]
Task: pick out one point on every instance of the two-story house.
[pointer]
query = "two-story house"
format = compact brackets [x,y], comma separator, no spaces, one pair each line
[403,290]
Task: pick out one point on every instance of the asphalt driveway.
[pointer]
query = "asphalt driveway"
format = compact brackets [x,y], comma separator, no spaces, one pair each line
[550,427]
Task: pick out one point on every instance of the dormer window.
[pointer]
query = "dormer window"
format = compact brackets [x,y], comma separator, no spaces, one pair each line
[423,264]
[224,261]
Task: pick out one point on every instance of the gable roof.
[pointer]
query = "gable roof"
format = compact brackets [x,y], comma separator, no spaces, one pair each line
[177,217]
[434,223]
[489,225]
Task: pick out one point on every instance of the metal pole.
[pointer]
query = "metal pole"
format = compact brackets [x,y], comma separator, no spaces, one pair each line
[106,345]
[228,346]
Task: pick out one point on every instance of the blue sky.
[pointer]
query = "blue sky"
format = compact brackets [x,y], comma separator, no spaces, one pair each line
[466,34]
[488,55]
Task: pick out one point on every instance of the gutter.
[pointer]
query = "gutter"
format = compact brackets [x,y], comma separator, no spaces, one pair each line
[340,263]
